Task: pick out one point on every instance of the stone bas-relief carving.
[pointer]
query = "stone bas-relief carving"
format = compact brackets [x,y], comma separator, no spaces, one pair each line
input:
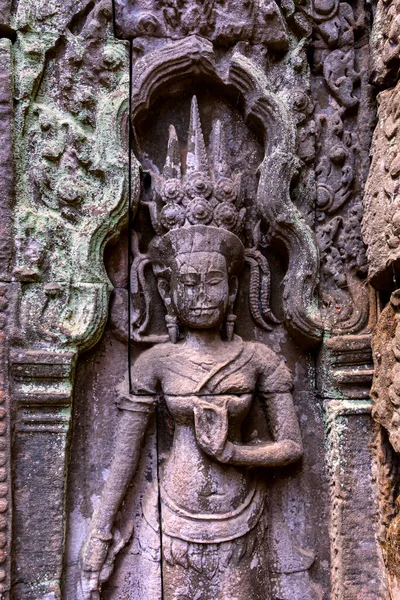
[286,111]
[70,86]
[344,106]
[381,231]
[258,22]
[214,528]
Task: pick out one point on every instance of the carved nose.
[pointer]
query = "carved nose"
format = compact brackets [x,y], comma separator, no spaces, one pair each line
[202,293]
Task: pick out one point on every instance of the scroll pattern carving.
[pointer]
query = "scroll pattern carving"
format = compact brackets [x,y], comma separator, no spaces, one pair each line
[80,133]
[257,22]
[340,166]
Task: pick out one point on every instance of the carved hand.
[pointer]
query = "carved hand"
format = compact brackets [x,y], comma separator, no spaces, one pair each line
[223,455]
[270,454]
[211,425]
[93,557]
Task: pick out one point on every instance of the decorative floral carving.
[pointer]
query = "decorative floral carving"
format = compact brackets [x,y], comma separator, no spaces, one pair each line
[199,211]
[226,216]
[258,21]
[335,168]
[225,190]
[198,185]
[73,181]
[339,176]
[172,191]
[172,215]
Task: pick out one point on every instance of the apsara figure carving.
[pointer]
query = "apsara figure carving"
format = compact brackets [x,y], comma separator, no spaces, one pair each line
[213,510]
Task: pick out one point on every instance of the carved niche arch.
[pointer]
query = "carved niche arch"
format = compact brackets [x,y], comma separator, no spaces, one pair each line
[195,57]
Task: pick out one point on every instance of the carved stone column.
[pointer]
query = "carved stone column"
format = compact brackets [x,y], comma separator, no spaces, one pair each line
[344,111]
[42,393]
[6,294]
[346,371]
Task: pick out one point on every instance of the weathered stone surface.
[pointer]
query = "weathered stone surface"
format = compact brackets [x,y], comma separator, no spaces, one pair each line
[354,502]
[5,13]
[43,393]
[6,307]
[381,235]
[234,230]
[385,43]
[385,390]
[76,131]
[6,159]
[71,83]
[381,205]
[343,113]
[260,23]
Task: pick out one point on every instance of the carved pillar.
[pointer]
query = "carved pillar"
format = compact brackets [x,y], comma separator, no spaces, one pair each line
[345,377]
[344,110]
[42,393]
[6,293]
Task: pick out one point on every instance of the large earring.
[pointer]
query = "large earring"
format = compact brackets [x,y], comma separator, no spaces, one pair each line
[230,326]
[173,327]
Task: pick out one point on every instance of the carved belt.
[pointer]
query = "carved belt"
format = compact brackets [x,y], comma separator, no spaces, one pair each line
[209,528]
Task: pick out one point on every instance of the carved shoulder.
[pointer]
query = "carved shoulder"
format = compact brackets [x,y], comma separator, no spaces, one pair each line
[147,368]
[273,374]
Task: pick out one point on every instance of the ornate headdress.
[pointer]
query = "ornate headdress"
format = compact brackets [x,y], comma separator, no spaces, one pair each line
[199,209]
[197,196]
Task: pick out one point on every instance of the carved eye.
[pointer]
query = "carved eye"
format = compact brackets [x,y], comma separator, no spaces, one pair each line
[189,280]
[214,280]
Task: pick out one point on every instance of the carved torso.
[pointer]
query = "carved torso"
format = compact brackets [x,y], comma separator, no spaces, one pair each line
[192,482]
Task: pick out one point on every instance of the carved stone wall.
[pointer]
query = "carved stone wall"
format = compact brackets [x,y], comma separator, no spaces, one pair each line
[247,126]
[382,238]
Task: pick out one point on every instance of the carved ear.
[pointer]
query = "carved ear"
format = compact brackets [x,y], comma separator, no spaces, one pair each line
[164,290]
[170,318]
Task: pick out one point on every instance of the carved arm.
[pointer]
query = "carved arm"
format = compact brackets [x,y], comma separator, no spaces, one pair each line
[131,431]
[286,446]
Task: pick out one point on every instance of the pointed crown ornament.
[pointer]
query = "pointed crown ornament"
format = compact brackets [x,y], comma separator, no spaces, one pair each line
[198,196]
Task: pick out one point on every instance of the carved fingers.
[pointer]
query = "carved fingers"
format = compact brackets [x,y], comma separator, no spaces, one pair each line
[93,557]
[89,585]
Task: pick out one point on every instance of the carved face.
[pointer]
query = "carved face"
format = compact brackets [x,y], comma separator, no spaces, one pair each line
[200,289]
